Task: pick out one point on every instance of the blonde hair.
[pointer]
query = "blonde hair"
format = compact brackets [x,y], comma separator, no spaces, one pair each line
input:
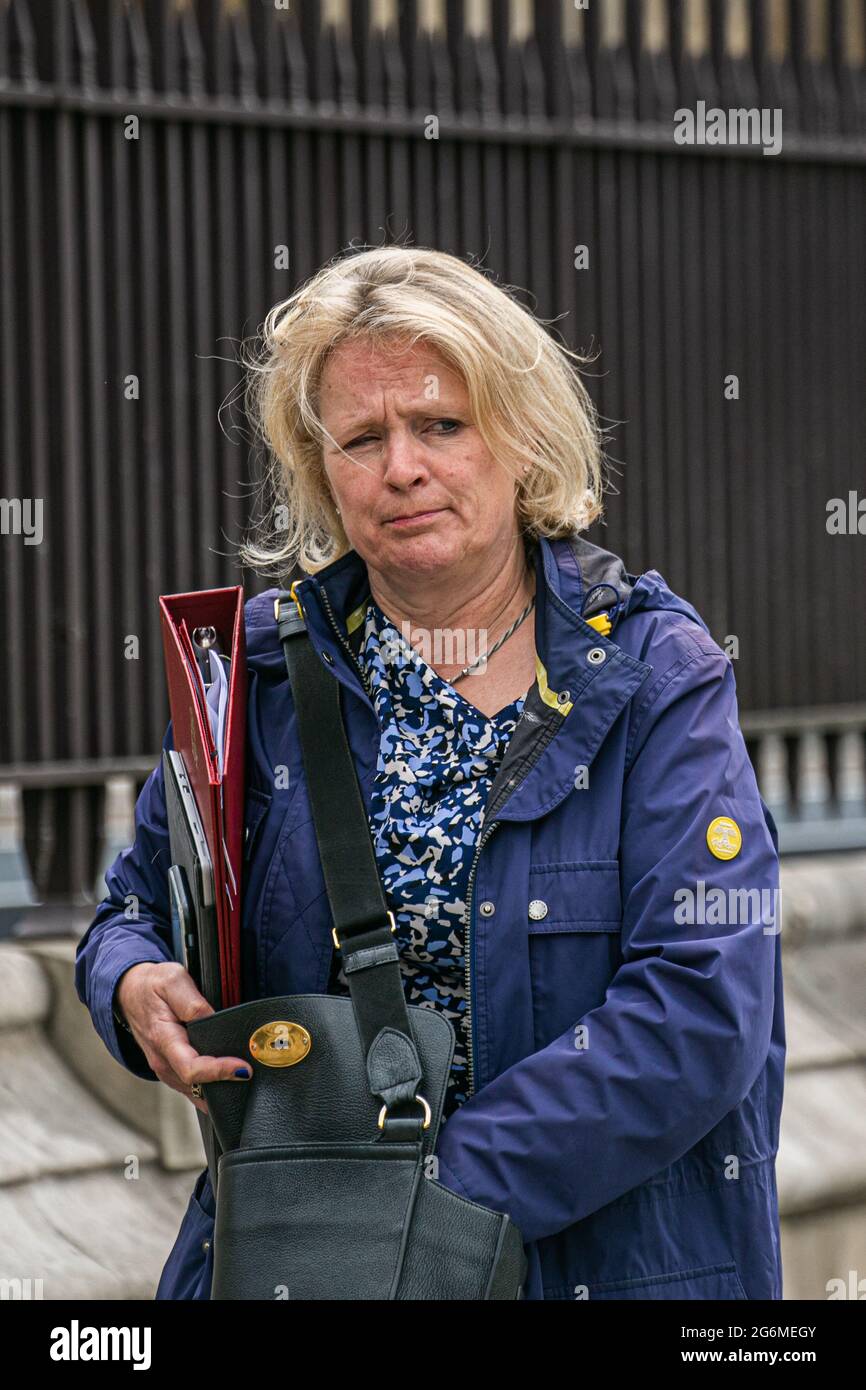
[526,397]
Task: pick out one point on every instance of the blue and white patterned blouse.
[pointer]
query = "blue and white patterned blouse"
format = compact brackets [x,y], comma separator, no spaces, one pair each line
[438,756]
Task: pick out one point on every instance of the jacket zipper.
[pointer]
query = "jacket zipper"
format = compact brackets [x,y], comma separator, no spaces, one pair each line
[341,639]
[467,951]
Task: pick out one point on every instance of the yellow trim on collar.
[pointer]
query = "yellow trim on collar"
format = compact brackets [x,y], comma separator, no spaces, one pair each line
[601,622]
[356,617]
[550,697]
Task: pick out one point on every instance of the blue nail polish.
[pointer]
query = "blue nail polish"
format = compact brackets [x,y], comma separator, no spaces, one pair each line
[243,1072]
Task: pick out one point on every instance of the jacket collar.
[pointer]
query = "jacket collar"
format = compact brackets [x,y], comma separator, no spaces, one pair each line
[575,581]
[584,679]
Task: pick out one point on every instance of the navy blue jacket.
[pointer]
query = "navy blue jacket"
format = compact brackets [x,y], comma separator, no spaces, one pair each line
[627,1034]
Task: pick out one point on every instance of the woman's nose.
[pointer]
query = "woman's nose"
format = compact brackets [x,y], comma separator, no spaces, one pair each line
[403,458]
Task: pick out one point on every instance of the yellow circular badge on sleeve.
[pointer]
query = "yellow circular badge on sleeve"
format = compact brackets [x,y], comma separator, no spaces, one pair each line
[724,838]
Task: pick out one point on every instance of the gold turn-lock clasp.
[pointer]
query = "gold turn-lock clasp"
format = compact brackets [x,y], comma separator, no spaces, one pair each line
[280,1044]
[336,939]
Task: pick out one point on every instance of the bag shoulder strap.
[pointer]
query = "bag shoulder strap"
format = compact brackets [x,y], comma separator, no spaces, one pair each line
[363,925]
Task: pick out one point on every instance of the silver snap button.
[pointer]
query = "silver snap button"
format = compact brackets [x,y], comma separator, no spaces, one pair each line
[596,656]
[205,1245]
[487,909]
[563,697]
[537,909]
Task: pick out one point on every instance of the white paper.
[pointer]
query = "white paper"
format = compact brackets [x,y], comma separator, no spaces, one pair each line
[217,703]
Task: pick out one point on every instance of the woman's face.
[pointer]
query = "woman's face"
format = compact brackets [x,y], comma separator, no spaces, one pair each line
[411,450]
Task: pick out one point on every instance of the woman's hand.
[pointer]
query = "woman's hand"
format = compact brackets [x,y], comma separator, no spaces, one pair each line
[156,1001]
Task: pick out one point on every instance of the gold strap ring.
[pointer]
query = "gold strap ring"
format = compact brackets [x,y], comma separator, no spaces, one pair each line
[428,1114]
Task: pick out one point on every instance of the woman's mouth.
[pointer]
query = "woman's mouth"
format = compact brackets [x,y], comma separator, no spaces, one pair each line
[418,519]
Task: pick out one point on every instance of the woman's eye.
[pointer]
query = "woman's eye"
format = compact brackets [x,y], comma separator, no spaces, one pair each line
[448,427]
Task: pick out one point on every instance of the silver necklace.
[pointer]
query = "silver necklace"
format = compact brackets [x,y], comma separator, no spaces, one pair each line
[485,656]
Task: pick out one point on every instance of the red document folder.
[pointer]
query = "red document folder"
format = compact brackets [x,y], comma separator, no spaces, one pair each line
[220,799]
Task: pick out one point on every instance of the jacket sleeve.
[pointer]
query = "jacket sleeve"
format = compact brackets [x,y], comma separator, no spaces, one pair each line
[684,1029]
[132,924]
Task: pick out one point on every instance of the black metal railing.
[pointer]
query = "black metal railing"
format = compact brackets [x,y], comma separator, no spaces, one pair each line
[170,170]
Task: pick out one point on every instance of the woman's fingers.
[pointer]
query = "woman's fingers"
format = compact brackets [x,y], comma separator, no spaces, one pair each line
[158,1000]
[189,1066]
[185,1003]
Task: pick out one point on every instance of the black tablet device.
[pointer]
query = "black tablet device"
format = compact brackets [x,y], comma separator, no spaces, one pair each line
[191,883]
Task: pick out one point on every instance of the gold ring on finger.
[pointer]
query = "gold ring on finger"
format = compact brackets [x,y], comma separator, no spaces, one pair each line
[195,1088]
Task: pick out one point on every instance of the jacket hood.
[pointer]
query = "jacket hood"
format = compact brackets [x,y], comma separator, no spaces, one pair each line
[603,584]
[651,591]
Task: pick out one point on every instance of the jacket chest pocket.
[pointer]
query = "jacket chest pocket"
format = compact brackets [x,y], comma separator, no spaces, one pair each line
[574,919]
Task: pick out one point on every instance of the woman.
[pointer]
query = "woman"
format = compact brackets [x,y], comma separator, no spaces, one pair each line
[565,817]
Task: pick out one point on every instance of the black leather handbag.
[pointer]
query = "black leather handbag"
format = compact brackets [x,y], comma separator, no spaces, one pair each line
[326,1185]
